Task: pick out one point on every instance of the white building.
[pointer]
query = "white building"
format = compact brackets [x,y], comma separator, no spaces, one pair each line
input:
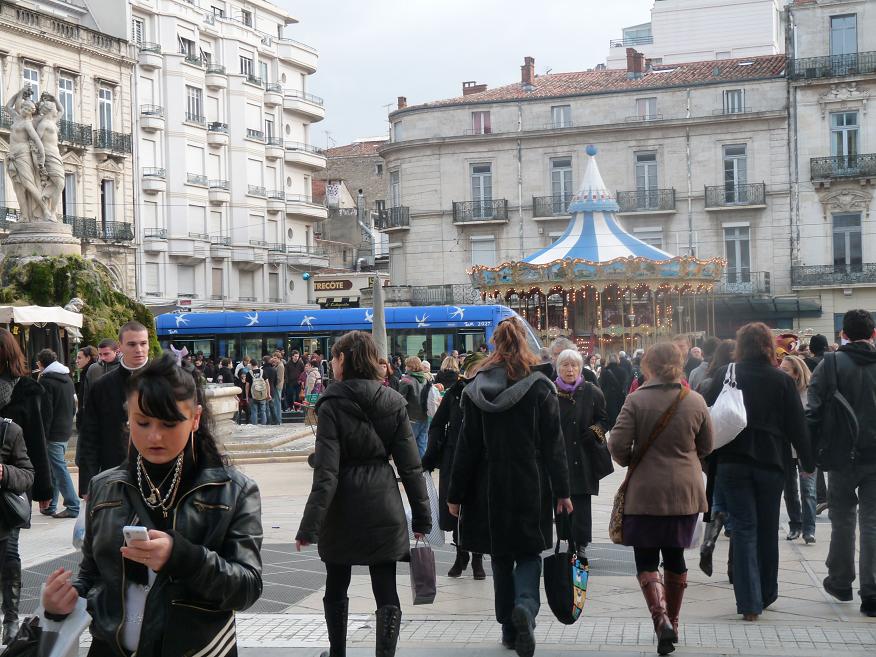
[695,30]
[224,147]
[832,74]
[78,52]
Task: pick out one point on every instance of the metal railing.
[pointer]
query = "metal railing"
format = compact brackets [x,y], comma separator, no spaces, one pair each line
[276,194]
[252,133]
[261,243]
[274,141]
[196,179]
[399,217]
[155,233]
[154,172]
[843,166]
[194,60]
[832,66]
[556,125]
[274,87]
[115,142]
[299,198]
[148,46]
[217,126]
[215,69]
[219,184]
[729,195]
[301,146]
[116,231]
[195,118]
[551,206]
[442,295]
[77,134]
[744,281]
[486,130]
[310,98]
[247,299]
[276,299]
[254,79]
[152,110]
[277,247]
[5,119]
[218,297]
[200,236]
[83,227]
[486,210]
[301,249]
[255,190]
[626,42]
[830,275]
[643,117]
[220,240]
[646,200]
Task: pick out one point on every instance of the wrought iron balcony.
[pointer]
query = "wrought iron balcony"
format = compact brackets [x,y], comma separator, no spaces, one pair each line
[277,247]
[117,231]
[843,166]
[310,98]
[744,282]
[299,198]
[644,117]
[217,126]
[254,79]
[154,172]
[274,87]
[200,236]
[83,227]
[5,119]
[252,133]
[486,210]
[219,184]
[551,206]
[442,295]
[75,134]
[626,42]
[115,142]
[216,69]
[155,233]
[389,218]
[832,66]
[247,299]
[195,118]
[261,243]
[150,47]
[301,146]
[151,110]
[194,60]
[220,240]
[276,194]
[196,179]
[274,141]
[730,195]
[256,190]
[301,249]
[647,200]
[833,275]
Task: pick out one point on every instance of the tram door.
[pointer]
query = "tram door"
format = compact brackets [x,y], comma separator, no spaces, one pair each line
[309,344]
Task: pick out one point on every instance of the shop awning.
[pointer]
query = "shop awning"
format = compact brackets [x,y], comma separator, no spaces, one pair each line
[27,315]
[338,302]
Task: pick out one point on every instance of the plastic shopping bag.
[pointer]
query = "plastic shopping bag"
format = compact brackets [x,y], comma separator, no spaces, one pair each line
[436,536]
[79,527]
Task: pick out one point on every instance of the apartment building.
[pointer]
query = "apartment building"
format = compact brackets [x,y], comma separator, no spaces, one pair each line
[227,218]
[78,52]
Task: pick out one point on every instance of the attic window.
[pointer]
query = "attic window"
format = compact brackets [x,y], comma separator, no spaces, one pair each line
[744,63]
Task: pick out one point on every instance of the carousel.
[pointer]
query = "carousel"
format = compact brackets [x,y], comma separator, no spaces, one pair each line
[600,285]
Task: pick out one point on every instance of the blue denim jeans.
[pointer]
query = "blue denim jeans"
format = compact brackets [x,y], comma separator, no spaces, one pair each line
[800,502]
[719,503]
[62,483]
[258,411]
[754,501]
[516,581]
[275,407]
[421,435]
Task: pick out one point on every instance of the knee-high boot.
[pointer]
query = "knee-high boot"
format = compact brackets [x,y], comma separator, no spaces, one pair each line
[388,628]
[655,597]
[713,530]
[336,624]
[11,591]
[675,583]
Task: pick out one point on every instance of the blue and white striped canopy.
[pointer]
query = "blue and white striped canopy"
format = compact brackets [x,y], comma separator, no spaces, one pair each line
[594,233]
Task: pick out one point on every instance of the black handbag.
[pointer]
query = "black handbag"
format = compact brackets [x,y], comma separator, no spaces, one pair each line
[600,457]
[14,507]
[565,578]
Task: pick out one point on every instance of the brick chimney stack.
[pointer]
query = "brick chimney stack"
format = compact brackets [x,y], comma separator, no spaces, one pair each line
[472,87]
[635,64]
[527,71]
[402,102]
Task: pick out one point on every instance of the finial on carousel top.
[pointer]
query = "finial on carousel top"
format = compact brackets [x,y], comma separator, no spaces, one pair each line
[592,195]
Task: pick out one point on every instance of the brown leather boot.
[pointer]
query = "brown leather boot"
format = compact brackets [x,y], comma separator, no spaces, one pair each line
[655,597]
[675,585]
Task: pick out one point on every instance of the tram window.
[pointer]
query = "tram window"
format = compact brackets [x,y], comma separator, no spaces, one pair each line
[469,342]
[252,347]
[275,343]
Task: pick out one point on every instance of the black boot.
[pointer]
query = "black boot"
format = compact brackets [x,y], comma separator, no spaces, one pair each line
[460,564]
[336,624]
[11,590]
[712,531]
[388,627]
[477,566]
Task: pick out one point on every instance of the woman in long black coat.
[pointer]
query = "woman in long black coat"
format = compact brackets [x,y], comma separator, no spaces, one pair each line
[510,461]
[354,512]
[611,382]
[444,433]
[584,423]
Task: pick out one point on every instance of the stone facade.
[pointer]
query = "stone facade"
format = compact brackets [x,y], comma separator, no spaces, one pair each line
[58,48]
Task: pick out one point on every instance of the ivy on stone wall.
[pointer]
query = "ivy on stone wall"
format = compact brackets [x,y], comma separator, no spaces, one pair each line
[53,281]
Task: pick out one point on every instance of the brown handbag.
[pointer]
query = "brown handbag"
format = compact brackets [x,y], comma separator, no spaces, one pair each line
[616,522]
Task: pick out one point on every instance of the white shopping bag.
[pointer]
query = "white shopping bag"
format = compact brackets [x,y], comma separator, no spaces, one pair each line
[436,536]
[79,527]
[728,413]
[63,636]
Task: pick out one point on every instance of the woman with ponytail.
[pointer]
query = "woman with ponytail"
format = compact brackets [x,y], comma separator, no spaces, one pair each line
[176,593]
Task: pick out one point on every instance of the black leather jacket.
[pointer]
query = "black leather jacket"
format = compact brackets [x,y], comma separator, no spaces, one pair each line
[215,567]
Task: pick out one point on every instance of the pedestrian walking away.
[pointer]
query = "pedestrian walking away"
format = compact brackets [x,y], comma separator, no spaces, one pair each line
[354,513]
[509,464]
[258,392]
[799,501]
[175,593]
[415,388]
[662,433]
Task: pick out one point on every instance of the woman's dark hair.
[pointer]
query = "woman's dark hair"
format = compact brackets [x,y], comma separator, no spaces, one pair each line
[90,353]
[755,341]
[12,359]
[512,351]
[389,369]
[360,355]
[160,386]
[722,357]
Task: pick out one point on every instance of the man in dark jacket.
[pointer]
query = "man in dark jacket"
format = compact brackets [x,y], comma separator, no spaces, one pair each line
[103,440]
[294,368]
[107,360]
[58,412]
[269,374]
[849,457]
[817,349]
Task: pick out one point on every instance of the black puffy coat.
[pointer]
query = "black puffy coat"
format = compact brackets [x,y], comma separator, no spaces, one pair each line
[17,468]
[509,464]
[579,411]
[354,512]
[59,407]
[611,382]
[25,408]
[443,435]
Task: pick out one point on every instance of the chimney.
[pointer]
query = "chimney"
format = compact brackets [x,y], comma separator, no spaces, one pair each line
[472,87]
[635,64]
[402,102]
[527,71]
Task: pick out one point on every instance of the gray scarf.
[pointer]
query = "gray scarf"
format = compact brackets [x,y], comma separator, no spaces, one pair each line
[6,386]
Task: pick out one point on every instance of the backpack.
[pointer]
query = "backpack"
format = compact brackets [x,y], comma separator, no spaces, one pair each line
[837,439]
[317,387]
[425,394]
[258,389]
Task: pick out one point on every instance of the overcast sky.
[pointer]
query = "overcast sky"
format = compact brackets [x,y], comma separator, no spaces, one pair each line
[372,51]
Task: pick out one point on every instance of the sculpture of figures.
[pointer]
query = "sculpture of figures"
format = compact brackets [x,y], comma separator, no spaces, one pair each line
[26,158]
[49,112]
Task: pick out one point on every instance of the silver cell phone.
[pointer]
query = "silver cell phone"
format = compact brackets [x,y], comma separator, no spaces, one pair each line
[134,533]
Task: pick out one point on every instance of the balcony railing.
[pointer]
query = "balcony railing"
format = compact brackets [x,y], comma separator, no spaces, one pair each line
[256,190]
[294,93]
[217,126]
[155,233]
[196,179]
[399,217]
[644,117]
[195,118]
[254,79]
[301,249]
[252,133]
[486,210]
[5,119]
[277,247]
[219,184]
[626,42]
[843,166]
[115,142]
[116,231]
[261,243]
[220,240]
[194,60]
[77,134]
[646,200]
[200,236]
[83,227]
[833,275]
[276,194]
[154,172]
[216,69]
[247,299]
[551,206]
[151,110]
[274,141]
[274,87]
[729,195]
[218,297]
[832,66]
[743,281]
[299,198]
[150,47]
[300,146]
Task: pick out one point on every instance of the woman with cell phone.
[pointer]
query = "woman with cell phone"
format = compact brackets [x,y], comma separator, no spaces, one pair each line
[172,536]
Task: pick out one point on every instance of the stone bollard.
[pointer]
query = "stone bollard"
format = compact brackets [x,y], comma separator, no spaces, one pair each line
[223,403]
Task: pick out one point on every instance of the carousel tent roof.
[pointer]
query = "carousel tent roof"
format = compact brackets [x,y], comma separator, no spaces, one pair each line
[594,233]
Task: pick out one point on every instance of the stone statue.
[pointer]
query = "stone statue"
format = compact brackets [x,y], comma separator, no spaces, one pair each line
[27,158]
[49,112]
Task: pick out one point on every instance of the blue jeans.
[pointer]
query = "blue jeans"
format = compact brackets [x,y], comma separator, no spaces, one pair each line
[516,581]
[754,501]
[719,502]
[420,429]
[62,483]
[258,411]
[276,409]
[800,502]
